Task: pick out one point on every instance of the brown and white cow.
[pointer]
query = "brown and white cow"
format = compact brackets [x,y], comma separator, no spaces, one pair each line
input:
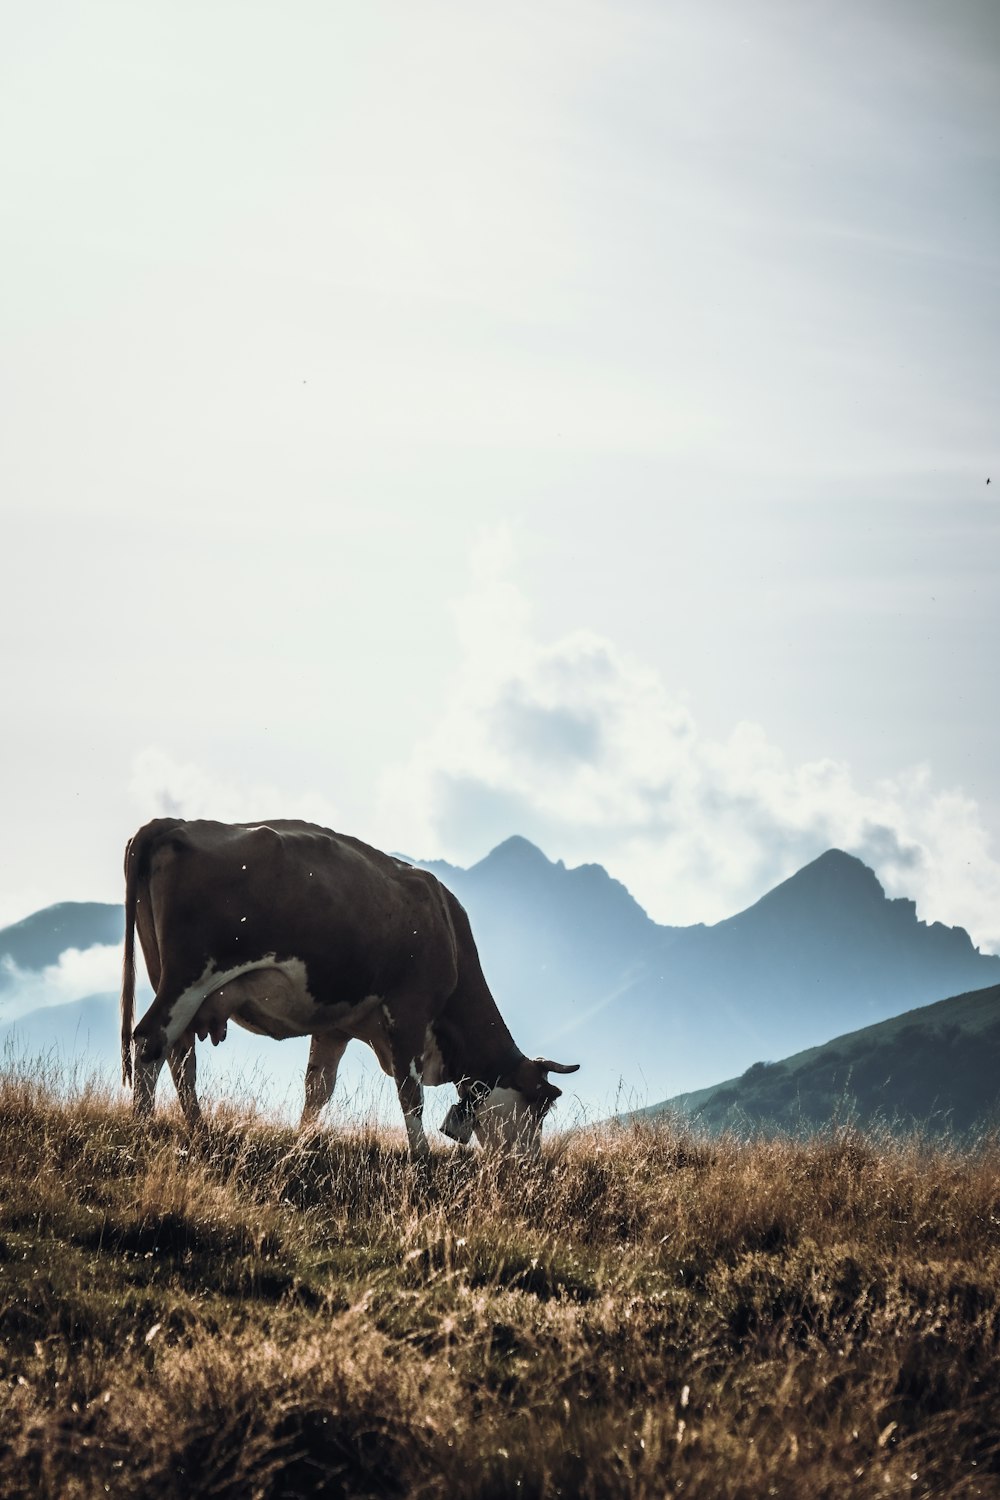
[293,930]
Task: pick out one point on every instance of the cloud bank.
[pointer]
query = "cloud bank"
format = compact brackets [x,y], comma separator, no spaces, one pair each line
[79,972]
[582,748]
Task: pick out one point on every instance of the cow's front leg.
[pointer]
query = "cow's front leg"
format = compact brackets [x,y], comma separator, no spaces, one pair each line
[405,1030]
[410,1089]
[325,1053]
[184,1071]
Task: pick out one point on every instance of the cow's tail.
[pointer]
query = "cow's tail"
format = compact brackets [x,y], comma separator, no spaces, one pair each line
[132,860]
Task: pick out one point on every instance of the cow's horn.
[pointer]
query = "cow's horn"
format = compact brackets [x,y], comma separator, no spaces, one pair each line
[554,1067]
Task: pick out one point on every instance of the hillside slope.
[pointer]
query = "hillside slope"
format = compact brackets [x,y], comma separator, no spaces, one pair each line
[936,1068]
[255,1313]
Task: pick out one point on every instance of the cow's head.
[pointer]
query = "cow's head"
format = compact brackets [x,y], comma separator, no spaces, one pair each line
[510,1113]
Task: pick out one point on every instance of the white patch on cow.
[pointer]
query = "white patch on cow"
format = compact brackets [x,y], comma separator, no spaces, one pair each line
[271,998]
[503,1102]
[416,1137]
[277,991]
[434,1070]
[505,1118]
[415,1071]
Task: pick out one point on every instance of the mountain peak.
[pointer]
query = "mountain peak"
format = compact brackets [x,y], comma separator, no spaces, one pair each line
[834,876]
[838,860]
[515,852]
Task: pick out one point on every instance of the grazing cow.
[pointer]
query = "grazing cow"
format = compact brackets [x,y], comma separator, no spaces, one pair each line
[293,930]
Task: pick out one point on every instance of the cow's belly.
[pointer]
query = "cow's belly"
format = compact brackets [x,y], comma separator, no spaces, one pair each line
[275,1000]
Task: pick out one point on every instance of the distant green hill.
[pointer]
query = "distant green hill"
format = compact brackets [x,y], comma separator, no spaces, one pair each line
[937,1067]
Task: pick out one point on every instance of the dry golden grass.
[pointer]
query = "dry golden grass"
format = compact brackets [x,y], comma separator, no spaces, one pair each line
[253,1314]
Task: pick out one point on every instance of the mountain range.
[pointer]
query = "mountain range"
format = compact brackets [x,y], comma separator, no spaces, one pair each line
[823,953]
[582,974]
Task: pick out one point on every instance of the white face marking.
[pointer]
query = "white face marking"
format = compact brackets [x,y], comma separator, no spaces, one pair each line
[505,1118]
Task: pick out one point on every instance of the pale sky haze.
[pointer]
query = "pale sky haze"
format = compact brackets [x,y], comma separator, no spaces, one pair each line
[447,421]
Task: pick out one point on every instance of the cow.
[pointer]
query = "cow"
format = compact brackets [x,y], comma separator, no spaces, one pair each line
[290,929]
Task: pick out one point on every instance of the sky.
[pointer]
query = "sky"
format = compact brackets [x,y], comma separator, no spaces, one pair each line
[450,421]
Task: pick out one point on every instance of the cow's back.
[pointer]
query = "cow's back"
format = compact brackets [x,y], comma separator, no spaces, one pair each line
[361,921]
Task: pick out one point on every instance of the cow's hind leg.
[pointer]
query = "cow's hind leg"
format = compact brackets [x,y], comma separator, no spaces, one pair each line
[184,1071]
[325,1052]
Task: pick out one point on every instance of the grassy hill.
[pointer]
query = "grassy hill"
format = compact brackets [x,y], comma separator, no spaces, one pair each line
[936,1067]
[249,1315]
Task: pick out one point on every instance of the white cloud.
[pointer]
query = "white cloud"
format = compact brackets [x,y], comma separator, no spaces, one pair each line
[581,747]
[162,786]
[78,973]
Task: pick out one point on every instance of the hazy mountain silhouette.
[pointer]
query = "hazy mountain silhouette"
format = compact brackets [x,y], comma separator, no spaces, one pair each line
[564,940]
[38,941]
[593,977]
[936,1068]
[581,973]
[87,1028]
